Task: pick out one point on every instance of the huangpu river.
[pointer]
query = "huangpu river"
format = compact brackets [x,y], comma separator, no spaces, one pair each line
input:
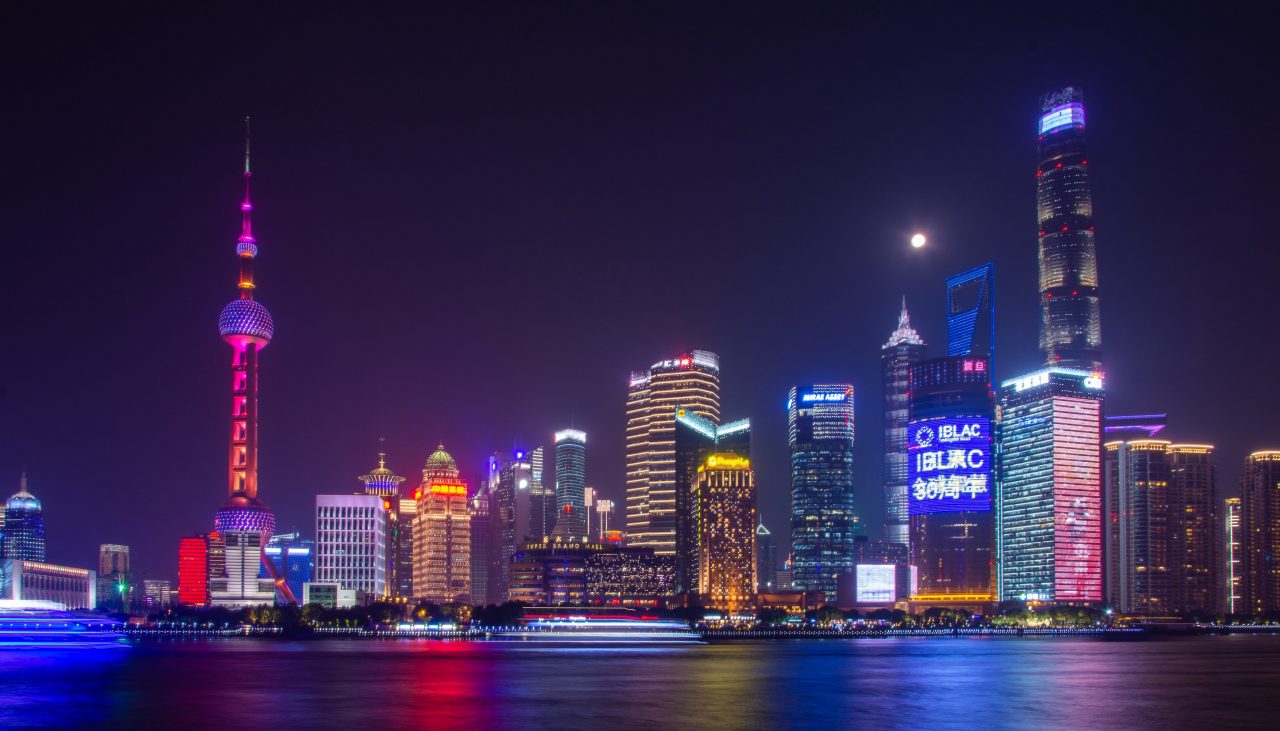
[1209,683]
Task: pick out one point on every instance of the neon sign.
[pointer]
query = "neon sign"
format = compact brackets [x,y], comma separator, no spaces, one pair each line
[949,465]
[810,397]
[1032,381]
[448,488]
[1094,381]
[728,462]
[1063,115]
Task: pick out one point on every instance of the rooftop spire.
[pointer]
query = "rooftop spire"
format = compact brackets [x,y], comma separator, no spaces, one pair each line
[905,334]
[246,245]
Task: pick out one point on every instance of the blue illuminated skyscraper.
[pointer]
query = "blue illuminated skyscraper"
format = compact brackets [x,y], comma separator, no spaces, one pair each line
[971,321]
[23,526]
[823,521]
[1070,324]
[571,483]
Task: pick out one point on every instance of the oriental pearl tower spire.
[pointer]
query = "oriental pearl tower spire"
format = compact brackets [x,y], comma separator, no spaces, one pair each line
[247,327]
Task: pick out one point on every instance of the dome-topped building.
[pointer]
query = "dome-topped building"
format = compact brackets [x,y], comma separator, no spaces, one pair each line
[24,525]
[440,465]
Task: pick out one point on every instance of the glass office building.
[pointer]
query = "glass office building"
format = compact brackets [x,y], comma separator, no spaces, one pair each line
[823,519]
[571,483]
[1049,491]
[904,349]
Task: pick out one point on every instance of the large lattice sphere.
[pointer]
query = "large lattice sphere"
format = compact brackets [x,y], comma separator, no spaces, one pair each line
[245,317]
[243,513]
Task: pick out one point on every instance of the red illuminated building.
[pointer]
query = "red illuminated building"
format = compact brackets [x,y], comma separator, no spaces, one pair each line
[193,571]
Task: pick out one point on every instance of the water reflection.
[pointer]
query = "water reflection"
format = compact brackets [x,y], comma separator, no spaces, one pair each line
[895,683]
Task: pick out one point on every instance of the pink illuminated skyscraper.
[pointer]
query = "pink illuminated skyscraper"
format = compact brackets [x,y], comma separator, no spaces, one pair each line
[244,522]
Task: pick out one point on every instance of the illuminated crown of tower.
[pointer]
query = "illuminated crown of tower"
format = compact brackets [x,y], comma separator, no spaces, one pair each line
[440,465]
[381,481]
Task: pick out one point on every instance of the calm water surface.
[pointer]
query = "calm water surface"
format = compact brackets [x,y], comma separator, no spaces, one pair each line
[922,683]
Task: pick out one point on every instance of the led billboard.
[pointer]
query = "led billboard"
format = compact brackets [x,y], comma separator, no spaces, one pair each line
[949,465]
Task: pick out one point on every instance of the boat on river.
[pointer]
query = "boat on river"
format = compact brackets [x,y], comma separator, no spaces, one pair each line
[592,625]
[27,623]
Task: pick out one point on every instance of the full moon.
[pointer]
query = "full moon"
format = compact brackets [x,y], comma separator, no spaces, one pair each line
[917,241]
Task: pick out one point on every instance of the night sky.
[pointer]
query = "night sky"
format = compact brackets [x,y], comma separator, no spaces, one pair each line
[475,223]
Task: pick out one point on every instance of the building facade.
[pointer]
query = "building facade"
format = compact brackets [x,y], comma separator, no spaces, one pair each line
[193,571]
[294,560]
[351,542]
[1049,491]
[1260,523]
[571,483]
[542,500]
[823,520]
[483,548]
[1233,559]
[515,477]
[629,577]
[696,438]
[692,382]
[949,475]
[408,515]
[114,578]
[157,594]
[23,526]
[39,581]
[725,501]
[238,583]
[442,533]
[766,560]
[971,314]
[1194,546]
[904,349]
[1070,324]
[1136,548]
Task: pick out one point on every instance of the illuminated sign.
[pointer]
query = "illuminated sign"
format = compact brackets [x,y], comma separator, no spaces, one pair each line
[975,366]
[1094,381]
[448,488]
[728,462]
[811,397]
[949,465]
[875,583]
[1032,381]
[574,434]
[1063,115]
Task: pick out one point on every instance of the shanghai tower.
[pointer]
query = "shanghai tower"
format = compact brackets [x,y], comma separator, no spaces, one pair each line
[1070,327]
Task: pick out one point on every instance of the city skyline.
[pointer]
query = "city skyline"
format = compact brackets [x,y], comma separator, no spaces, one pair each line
[172,200]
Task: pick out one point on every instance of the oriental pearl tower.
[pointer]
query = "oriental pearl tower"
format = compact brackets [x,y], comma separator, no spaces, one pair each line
[247,327]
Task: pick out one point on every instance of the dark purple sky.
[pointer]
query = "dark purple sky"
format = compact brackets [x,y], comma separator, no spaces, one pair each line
[474,224]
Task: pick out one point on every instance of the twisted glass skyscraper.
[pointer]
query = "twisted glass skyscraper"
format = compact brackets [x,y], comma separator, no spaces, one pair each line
[1070,327]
